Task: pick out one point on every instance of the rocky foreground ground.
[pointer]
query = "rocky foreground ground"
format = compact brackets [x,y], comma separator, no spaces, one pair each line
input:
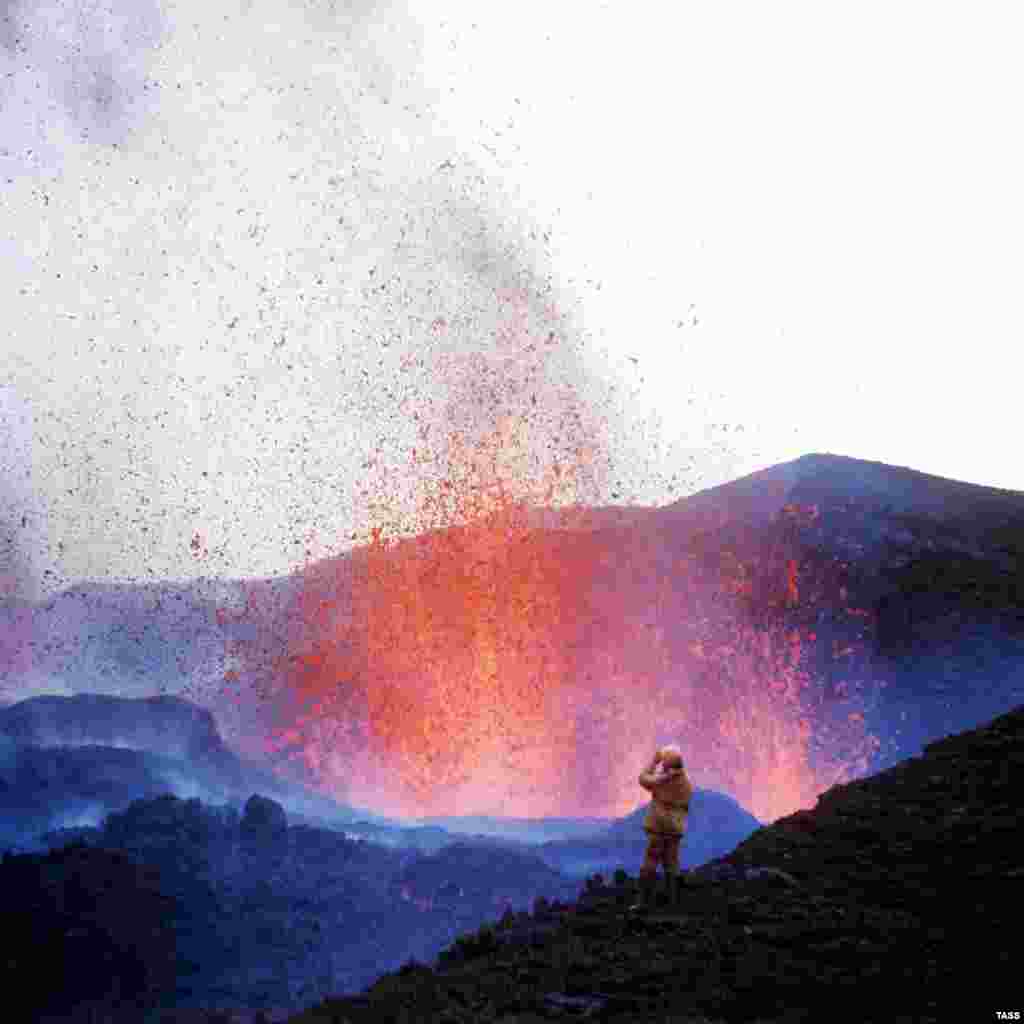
[895,899]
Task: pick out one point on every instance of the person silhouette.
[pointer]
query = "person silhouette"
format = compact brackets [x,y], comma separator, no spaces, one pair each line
[665,824]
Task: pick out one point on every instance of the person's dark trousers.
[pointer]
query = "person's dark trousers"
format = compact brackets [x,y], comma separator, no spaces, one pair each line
[647,882]
[674,882]
[663,849]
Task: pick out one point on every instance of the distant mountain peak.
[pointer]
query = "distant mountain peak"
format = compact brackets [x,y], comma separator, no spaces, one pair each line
[821,477]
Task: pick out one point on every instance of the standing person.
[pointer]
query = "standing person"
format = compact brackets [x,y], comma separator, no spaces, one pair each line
[665,824]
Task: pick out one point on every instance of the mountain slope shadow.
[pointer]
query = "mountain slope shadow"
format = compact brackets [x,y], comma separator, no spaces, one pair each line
[886,895]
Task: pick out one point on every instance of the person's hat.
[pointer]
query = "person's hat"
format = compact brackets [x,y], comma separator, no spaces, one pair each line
[672,756]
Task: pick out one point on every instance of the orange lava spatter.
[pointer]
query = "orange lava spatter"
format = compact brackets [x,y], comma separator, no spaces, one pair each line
[483,663]
[498,668]
[439,683]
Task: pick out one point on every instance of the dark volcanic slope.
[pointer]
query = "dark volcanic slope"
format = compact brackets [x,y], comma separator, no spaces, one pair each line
[894,899]
[907,579]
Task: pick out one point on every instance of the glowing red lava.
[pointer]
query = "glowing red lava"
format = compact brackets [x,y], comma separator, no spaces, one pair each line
[487,665]
[499,668]
[436,689]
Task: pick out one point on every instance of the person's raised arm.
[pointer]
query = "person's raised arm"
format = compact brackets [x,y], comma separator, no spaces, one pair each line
[649,777]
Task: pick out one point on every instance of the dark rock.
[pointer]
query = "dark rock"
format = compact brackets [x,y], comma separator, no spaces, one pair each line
[263,817]
[584,1006]
[95,919]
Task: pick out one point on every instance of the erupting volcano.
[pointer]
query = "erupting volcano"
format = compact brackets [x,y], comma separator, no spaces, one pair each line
[510,651]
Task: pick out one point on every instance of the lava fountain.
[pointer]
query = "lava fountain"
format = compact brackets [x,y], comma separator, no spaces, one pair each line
[440,684]
[498,663]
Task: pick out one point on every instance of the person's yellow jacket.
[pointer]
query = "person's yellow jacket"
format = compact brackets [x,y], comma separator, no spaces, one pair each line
[671,791]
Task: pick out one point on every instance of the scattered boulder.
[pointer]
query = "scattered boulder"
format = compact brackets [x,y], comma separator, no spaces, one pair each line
[263,818]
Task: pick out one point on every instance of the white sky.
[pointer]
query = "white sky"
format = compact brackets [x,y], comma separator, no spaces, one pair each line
[805,217]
